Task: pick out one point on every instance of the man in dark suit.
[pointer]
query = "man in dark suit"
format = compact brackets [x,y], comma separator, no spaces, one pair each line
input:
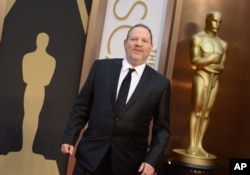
[115,141]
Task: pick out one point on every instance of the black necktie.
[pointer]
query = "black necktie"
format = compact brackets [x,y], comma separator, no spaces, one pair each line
[123,92]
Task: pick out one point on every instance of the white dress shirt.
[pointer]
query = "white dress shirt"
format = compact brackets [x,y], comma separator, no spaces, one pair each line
[135,76]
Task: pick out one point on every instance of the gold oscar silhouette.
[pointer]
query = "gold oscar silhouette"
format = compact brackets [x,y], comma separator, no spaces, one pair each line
[38,68]
[208,55]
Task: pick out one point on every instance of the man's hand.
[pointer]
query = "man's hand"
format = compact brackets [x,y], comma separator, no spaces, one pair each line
[146,169]
[67,149]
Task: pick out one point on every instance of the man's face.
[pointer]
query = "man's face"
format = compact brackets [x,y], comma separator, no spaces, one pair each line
[214,22]
[138,46]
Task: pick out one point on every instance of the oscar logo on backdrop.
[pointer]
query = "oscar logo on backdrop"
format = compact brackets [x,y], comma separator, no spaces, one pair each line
[66,23]
[38,68]
[208,55]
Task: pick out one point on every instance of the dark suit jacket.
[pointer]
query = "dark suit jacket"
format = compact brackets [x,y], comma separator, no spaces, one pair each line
[126,133]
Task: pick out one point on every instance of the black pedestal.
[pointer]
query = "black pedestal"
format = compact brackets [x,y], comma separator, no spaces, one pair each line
[180,168]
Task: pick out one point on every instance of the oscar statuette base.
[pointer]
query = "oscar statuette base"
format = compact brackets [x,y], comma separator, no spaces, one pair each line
[182,163]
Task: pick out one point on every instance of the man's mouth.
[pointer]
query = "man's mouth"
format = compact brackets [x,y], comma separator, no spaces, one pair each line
[138,51]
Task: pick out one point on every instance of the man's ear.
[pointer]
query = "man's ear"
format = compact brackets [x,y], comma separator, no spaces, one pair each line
[125,43]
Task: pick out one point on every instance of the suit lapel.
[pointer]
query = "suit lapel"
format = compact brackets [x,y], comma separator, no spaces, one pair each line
[115,73]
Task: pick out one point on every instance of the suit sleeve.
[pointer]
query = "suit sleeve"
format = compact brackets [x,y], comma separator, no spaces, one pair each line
[160,129]
[80,112]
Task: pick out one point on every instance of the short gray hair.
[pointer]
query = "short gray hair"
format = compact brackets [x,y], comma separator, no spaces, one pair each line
[141,25]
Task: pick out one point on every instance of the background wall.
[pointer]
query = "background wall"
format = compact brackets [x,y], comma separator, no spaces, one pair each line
[61,20]
[227,135]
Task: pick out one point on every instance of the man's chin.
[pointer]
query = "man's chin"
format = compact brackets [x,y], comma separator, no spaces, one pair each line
[136,62]
[137,56]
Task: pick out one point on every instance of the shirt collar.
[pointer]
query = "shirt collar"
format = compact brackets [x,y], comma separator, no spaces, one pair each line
[138,69]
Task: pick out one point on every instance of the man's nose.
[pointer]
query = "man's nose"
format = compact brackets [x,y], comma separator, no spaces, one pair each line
[139,42]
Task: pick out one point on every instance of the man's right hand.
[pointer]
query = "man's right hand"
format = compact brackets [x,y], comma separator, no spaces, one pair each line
[67,149]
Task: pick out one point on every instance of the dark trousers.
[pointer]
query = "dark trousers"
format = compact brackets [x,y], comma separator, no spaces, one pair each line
[104,168]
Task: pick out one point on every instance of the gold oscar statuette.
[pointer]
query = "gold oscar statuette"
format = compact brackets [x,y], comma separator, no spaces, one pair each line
[208,55]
